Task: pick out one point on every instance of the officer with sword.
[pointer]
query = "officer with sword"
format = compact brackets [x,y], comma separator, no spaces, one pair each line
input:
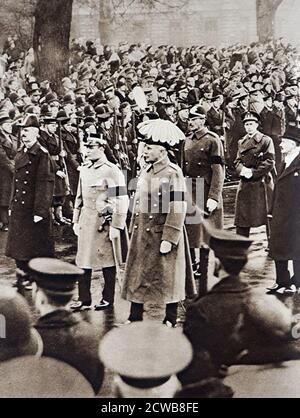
[99,220]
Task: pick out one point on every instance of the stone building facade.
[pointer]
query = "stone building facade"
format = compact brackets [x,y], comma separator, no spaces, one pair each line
[212,22]
[287,21]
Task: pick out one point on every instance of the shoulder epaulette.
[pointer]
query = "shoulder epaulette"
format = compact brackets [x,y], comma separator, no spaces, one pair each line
[174,166]
[213,134]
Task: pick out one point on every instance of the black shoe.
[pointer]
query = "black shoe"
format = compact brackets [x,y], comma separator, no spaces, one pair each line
[80,306]
[103,305]
[170,324]
[295,283]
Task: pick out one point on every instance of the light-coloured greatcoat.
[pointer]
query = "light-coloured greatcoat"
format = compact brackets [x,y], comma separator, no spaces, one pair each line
[101,185]
[159,214]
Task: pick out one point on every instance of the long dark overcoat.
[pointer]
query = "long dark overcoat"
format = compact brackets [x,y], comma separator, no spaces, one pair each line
[53,145]
[33,186]
[254,196]
[285,224]
[159,214]
[8,150]
[73,159]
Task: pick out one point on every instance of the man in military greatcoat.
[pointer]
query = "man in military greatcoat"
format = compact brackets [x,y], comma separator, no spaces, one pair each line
[204,169]
[158,268]
[254,164]
[100,214]
[30,232]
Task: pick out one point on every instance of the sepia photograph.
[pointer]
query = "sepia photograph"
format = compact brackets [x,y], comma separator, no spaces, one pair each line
[149,202]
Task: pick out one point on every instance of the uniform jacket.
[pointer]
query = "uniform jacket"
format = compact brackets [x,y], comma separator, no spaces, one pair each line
[66,337]
[159,213]
[33,187]
[272,122]
[215,120]
[252,205]
[101,185]
[235,132]
[285,225]
[204,159]
[8,150]
[53,144]
[290,116]
[73,158]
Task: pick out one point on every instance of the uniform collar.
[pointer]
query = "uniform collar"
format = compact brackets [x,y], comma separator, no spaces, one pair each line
[34,149]
[159,165]
[100,162]
[231,284]
[199,134]
[257,137]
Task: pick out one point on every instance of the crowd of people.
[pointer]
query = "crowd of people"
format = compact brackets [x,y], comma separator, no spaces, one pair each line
[119,152]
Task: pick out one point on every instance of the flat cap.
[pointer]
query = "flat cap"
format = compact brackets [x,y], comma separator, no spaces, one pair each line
[226,244]
[251,117]
[145,350]
[197,112]
[32,377]
[54,275]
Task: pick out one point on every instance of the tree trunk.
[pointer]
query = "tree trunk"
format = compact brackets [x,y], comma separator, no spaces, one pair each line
[51,40]
[266,14]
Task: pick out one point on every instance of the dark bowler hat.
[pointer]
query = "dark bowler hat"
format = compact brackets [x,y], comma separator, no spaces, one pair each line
[67,99]
[226,244]
[79,102]
[145,353]
[54,275]
[48,120]
[103,112]
[30,121]
[45,110]
[51,97]
[4,117]
[62,117]
[31,377]
[197,112]
[251,117]
[292,133]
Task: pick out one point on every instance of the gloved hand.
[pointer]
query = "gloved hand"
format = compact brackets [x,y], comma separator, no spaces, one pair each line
[60,174]
[114,233]
[37,219]
[247,173]
[211,205]
[165,247]
[76,229]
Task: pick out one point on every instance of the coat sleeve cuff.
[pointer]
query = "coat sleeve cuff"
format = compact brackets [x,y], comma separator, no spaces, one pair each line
[171,234]
[118,221]
[76,215]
